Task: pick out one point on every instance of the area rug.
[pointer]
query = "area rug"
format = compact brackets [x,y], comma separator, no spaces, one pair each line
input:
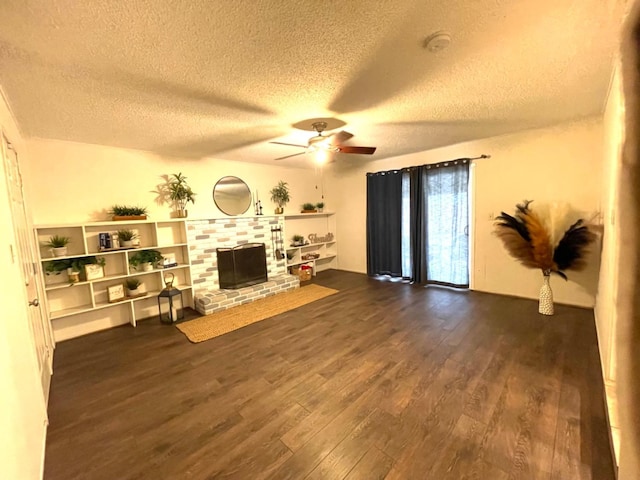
[219,323]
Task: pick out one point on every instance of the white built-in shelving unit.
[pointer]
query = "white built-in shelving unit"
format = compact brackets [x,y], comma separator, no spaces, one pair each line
[83,307]
[305,224]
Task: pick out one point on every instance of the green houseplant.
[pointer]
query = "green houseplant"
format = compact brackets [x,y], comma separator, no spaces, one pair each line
[73,266]
[298,240]
[146,259]
[180,192]
[126,212]
[320,206]
[132,285]
[126,238]
[280,196]
[308,208]
[58,245]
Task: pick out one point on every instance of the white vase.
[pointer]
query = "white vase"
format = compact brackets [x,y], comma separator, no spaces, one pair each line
[545,306]
[126,243]
[59,251]
[147,266]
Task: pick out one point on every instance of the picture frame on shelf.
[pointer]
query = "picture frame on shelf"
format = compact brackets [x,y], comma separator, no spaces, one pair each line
[116,293]
[93,271]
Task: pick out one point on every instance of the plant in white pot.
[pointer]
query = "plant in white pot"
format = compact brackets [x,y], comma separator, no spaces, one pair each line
[145,260]
[180,192]
[126,238]
[58,245]
[320,207]
[280,196]
[133,285]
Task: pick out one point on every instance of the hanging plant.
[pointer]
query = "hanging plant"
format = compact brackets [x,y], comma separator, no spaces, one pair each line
[528,240]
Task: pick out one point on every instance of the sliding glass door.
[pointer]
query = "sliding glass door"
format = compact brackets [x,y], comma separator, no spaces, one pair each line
[427,210]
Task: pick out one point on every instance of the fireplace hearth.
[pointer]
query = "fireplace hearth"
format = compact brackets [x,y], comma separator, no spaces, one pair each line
[242,266]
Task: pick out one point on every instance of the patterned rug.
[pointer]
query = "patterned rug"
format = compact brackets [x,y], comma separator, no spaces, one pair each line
[219,323]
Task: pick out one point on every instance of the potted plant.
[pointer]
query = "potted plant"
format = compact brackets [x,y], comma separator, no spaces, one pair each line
[126,238]
[320,206]
[73,266]
[58,245]
[146,259]
[126,212]
[132,285]
[298,240]
[180,192]
[308,208]
[280,196]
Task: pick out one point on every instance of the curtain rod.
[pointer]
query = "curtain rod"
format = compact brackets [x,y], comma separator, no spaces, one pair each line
[429,165]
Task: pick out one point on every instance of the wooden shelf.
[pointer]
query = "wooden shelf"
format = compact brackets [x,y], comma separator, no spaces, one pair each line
[169,235]
[308,215]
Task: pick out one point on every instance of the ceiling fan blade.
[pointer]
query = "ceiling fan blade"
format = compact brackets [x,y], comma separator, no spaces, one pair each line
[289,144]
[340,137]
[288,156]
[361,150]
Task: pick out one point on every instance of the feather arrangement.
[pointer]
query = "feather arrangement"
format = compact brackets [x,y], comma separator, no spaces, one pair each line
[527,239]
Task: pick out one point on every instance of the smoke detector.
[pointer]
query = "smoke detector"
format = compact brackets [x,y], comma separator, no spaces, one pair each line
[437,42]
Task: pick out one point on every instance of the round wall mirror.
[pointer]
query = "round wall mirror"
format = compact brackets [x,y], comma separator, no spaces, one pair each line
[232,196]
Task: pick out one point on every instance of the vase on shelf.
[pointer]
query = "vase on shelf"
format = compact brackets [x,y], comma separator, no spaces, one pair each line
[545,305]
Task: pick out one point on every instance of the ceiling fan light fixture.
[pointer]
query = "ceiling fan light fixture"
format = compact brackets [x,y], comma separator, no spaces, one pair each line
[321,156]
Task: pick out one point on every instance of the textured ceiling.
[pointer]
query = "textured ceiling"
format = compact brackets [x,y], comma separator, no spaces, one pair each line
[197,78]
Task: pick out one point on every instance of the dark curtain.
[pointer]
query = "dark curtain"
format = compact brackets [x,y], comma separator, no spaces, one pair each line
[384,223]
[418,233]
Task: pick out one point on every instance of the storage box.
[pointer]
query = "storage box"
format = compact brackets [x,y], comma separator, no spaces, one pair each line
[304,275]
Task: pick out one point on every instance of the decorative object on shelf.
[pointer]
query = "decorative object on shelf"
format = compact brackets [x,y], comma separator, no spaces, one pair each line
[314,238]
[290,255]
[297,241]
[115,293]
[105,242]
[58,245]
[145,259]
[170,302]
[320,207]
[280,196]
[232,196]
[133,290]
[126,238]
[73,274]
[180,192]
[169,260]
[56,267]
[74,266]
[528,238]
[125,212]
[93,271]
[308,208]
[310,256]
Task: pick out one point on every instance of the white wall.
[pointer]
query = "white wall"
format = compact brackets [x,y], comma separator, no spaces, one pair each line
[23,416]
[558,164]
[607,287]
[76,182]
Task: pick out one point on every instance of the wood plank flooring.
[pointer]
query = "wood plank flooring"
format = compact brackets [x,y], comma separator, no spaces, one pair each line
[380,381]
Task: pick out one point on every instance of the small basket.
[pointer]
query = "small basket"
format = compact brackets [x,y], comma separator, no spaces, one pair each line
[304,275]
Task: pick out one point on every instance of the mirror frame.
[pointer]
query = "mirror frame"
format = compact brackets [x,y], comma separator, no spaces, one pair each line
[244,195]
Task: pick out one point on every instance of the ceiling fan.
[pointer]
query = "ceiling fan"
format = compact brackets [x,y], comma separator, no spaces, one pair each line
[327,143]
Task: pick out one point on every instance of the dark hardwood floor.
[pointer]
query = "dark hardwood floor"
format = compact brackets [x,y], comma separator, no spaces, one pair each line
[380,381]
